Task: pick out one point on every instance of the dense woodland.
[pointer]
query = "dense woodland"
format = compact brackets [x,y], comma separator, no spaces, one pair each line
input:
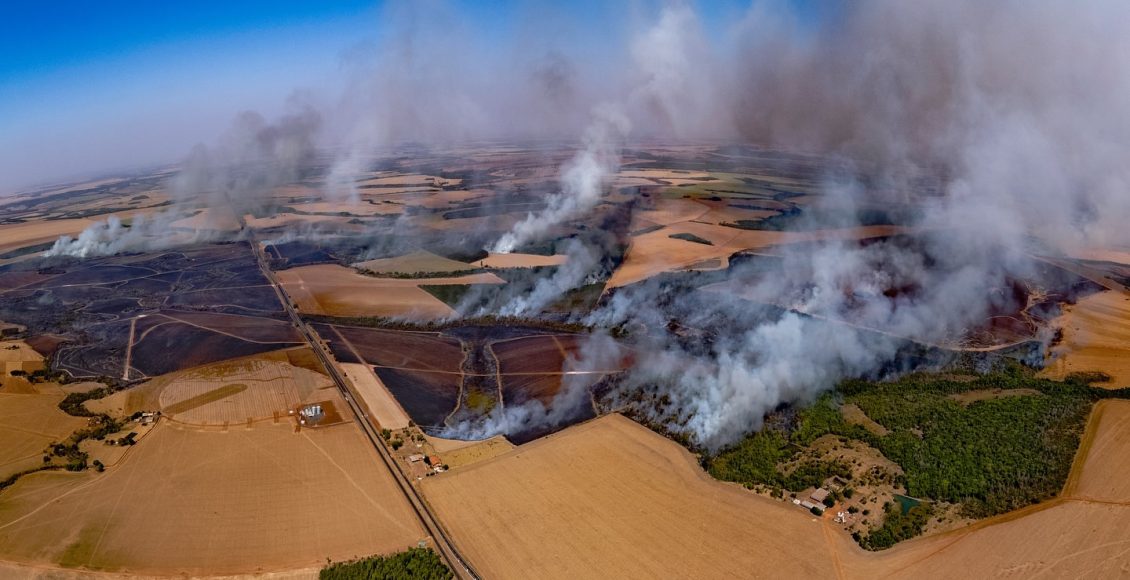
[413,564]
[990,456]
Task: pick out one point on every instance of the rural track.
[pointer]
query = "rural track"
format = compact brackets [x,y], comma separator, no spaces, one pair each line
[458,564]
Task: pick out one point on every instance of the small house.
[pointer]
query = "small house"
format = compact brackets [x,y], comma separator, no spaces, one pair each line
[808,505]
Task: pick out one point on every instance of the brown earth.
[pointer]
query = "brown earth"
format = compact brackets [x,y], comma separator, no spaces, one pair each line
[380,403]
[611,498]
[17,355]
[338,291]
[578,502]
[531,367]
[520,260]
[16,236]
[193,502]
[416,262]
[361,208]
[1103,473]
[656,252]
[480,451]
[1096,337]
[30,420]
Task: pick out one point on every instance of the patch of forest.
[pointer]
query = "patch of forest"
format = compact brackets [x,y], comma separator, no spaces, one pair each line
[989,456]
[421,563]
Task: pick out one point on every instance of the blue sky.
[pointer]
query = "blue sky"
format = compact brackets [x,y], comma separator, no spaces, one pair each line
[89,86]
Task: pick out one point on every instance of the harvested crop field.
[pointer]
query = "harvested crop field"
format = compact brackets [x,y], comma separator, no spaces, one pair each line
[656,252]
[610,487]
[1103,473]
[414,263]
[1096,337]
[502,261]
[476,452]
[381,404]
[16,236]
[235,392]
[361,208]
[17,355]
[207,502]
[337,291]
[579,502]
[30,420]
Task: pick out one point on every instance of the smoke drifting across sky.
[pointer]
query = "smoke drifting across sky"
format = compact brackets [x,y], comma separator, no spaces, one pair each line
[1015,111]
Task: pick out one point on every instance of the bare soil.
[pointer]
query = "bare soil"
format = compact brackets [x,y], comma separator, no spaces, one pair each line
[338,291]
[1096,337]
[188,501]
[381,404]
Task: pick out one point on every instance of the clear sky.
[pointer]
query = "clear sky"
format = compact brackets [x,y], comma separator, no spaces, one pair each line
[99,86]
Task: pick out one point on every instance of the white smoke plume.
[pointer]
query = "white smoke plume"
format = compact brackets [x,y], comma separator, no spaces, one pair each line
[101,239]
[598,355]
[583,180]
[1014,111]
[582,260]
[153,232]
[235,176]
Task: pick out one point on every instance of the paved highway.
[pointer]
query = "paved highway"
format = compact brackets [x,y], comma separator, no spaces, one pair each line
[443,544]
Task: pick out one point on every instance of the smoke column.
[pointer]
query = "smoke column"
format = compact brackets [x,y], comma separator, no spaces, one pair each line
[582,181]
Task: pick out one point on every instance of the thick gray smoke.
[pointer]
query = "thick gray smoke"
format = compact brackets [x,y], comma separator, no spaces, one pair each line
[1003,124]
[235,176]
[1021,106]
[250,160]
[1018,110]
[598,356]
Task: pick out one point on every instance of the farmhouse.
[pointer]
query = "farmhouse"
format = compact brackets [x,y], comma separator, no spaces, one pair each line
[808,505]
[819,495]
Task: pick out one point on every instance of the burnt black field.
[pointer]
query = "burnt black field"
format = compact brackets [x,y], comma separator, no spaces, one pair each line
[87,305]
[451,374]
[427,397]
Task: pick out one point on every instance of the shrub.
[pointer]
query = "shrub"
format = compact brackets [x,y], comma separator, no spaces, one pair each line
[421,563]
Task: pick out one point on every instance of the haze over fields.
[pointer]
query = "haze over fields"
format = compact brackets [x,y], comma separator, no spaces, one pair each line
[864,261]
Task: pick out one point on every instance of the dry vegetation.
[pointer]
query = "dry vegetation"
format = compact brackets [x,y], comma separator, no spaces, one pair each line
[655,252]
[579,502]
[188,501]
[1102,474]
[225,483]
[381,404]
[39,232]
[479,451]
[337,291]
[502,261]
[30,420]
[574,503]
[417,262]
[1096,337]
